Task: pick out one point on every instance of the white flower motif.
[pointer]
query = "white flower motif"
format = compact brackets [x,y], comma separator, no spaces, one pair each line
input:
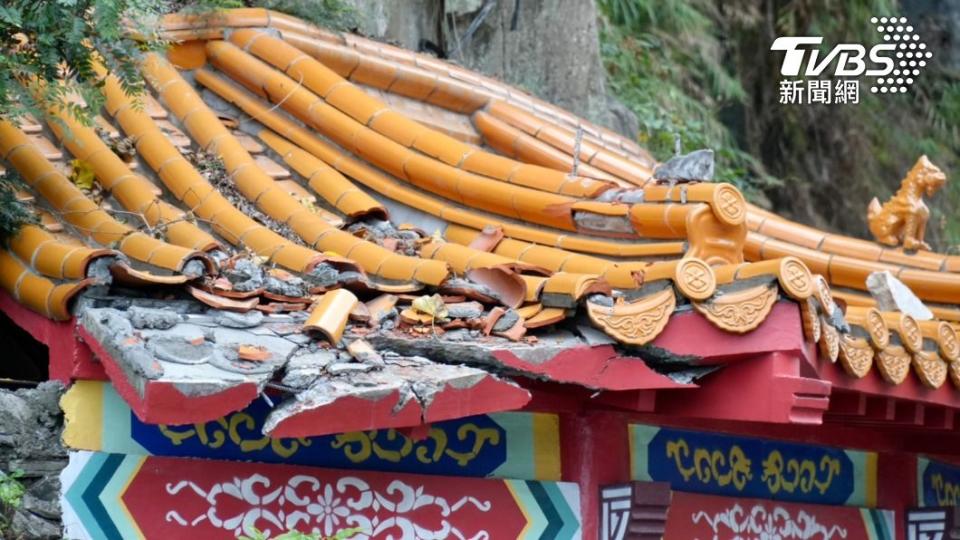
[328,510]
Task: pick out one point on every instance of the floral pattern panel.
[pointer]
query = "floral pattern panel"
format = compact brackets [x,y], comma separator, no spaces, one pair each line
[116,496]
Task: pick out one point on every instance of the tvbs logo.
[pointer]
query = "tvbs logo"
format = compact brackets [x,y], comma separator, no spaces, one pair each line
[890,67]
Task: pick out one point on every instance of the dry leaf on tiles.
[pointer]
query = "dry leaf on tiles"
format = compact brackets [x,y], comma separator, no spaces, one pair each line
[431,305]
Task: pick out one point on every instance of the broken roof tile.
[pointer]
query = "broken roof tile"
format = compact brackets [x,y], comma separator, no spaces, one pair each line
[330,314]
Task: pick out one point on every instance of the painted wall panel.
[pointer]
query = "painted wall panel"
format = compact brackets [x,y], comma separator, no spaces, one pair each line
[117,496]
[938,483]
[732,465]
[695,516]
[503,445]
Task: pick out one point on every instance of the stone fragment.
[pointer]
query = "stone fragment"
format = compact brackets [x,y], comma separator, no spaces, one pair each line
[465,310]
[507,321]
[244,274]
[232,319]
[892,295]
[362,351]
[304,368]
[697,166]
[152,318]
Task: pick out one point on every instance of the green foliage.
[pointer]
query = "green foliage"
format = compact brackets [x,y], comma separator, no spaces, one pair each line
[344,534]
[704,71]
[11,494]
[13,215]
[334,14]
[664,62]
[48,41]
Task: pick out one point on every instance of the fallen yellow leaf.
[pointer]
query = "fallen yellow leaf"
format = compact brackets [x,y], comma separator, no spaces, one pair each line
[82,174]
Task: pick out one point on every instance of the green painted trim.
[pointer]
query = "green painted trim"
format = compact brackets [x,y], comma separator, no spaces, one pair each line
[117,433]
[74,495]
[536,520]
[569,521]
[922,464]
[110,497]
[520,446]
[862,481]
[640,436]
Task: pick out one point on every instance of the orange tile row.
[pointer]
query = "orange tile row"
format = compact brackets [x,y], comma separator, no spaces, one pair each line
[444,84]
[871,344]
[564,139]
[196,193]
[847,271]
[134,192]
[619,275]
[36,292]
[478,84]
[774,226]
[373,113]
[525,204]
[396,190]
[792,275]
[427,173]
[324,180]
[515,143]
[941,312]
[405,80]
[207,130]
[52,258]
[83,214]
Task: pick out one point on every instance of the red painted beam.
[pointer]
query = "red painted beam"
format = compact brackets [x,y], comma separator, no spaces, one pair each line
[70,358]
[596,452]
[488,395]
[767,388]
[780,331]
[897,485]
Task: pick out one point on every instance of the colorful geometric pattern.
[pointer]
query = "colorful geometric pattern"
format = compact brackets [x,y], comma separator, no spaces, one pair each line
[503,445]
[731,465]
[115,496]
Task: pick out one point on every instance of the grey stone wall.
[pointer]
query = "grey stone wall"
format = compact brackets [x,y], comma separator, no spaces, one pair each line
[31,423]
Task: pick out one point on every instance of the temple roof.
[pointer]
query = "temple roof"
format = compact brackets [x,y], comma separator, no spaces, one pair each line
[363,228]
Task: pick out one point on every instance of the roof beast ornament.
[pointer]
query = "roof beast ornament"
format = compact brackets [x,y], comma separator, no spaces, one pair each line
[902,221]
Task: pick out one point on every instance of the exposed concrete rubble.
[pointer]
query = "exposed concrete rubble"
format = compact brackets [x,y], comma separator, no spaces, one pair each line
[405,241]
[408,388]
[30,425]
[214,353]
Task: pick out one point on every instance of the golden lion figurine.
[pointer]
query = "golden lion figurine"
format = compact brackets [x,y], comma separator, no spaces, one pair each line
[902,221]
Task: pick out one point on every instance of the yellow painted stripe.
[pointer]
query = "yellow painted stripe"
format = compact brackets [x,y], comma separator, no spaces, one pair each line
[82,408]
[871,480]
[546,446]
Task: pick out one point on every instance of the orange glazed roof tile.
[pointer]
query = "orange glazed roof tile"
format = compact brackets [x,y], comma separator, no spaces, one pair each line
[307,194]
